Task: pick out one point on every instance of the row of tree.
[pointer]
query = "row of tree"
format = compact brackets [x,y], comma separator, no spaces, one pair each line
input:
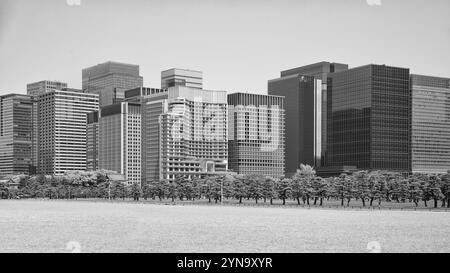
[369,188]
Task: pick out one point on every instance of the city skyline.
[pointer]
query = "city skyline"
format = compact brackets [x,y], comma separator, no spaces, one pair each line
[217,39]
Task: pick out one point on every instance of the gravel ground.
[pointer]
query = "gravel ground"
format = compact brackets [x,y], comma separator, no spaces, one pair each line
[66,226]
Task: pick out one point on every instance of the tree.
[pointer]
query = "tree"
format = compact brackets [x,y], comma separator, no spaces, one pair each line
[377,185]
[445,189]
[349,188]
[239,188]
[135,191]
[269,189]
[255,183]
[362,186]
[319,187]
[217,187]
[173,190]
[297,186]
[284,189]
[435,189]
[415,189]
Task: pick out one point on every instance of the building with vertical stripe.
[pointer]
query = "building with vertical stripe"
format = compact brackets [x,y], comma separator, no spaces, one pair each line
[256,134]
[120,140]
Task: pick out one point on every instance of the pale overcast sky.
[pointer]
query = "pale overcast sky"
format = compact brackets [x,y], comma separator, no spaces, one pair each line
[238,44]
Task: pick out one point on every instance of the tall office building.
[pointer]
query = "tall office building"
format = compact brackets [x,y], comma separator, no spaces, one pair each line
[16,133]
[110,80]
[62,130]
[369,118]
[92,141]
[319,71]
[34,90]
[181,77]
[256,134]
[120,140]
[430,139]
[193,133]
[153,102]
[38,88]
[303,104]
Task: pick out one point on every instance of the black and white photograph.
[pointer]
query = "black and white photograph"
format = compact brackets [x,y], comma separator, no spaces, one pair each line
[213,127]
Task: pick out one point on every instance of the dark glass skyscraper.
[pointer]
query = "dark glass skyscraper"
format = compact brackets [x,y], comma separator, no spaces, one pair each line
[369,118]
[303,104]
[319,71]
[16,132]
[110,80]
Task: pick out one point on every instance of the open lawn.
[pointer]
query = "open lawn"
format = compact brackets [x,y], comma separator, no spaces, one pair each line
[48,226]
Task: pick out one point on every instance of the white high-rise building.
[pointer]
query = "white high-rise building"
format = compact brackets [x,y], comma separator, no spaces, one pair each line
[193,128]
[62,130]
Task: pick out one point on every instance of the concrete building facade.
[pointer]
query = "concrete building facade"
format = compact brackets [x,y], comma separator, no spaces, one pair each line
[256,134]
[193,133]
[41,87]
[62,130]
[153,103]
[120,140]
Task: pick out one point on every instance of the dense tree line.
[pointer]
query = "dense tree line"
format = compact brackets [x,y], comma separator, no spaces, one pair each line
[305,187]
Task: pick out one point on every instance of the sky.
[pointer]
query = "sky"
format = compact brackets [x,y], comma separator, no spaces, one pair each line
[238,44]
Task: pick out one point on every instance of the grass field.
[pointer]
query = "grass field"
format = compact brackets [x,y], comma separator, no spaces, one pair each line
[48,226]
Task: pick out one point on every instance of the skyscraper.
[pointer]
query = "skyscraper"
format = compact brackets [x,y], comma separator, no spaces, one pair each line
[369,118]
[193,132]
[153,103]
[303,104]
[430,124]
[38,88]
[319,71]
[181,77]
[92,141]
[16,133]
[256,134]
[110,80]
[120,140]
[62,130]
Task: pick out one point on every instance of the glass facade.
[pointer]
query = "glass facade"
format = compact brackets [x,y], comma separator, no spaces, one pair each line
[369,118]
[430,124]
[256,134]
[16,133]
[319,71]
[181,77]
[303,118]
[110,80]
